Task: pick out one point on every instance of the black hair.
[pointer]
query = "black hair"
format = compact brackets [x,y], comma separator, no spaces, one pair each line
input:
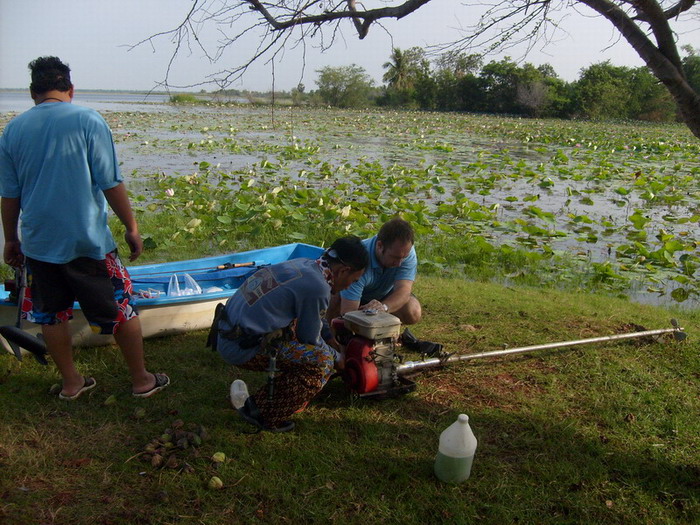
[396,229]
[348,251]
[48,74]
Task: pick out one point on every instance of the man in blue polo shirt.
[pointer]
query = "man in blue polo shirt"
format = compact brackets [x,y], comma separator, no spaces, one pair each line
[387,284]
[59,173]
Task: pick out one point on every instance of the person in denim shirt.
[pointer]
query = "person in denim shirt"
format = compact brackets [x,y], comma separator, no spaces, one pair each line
[279,313]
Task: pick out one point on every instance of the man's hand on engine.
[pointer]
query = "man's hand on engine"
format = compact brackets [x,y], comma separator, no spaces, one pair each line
[375,305]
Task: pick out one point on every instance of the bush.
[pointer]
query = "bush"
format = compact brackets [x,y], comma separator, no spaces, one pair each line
[183,98]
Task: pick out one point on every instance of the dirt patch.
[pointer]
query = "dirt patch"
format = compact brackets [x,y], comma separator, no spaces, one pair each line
[505,389]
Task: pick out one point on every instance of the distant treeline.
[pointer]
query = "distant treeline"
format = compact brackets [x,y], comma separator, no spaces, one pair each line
[461,82]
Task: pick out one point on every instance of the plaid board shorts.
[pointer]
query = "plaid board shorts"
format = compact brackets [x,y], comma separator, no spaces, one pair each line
[102,288]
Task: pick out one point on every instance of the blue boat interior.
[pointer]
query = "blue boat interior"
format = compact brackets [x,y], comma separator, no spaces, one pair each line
[217,276]
[226,279]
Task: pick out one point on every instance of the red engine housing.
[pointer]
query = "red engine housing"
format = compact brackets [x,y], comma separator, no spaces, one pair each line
[369,364]
[360,375]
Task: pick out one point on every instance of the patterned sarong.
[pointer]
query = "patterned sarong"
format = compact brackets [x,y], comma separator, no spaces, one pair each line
[303,370]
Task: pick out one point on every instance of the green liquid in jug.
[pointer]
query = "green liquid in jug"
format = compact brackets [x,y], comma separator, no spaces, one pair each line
[452,470]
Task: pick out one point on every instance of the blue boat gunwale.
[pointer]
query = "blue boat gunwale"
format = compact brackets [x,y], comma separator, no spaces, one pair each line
[260,257]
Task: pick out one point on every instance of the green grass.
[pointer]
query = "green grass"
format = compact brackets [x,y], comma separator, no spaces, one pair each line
[606,433]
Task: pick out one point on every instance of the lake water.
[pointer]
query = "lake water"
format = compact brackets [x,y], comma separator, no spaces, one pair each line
[19,101]
[577,194]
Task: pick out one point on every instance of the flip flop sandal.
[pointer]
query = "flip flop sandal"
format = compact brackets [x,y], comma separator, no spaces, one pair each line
[161,382]
[88,384]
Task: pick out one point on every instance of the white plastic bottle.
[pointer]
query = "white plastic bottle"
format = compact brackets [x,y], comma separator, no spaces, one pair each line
[453,462]
[238,393]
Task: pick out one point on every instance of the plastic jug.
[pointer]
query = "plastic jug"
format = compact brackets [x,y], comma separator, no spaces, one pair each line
[453,462]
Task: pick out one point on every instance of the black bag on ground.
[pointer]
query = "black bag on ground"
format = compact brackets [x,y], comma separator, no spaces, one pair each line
[214,330]
[414,344]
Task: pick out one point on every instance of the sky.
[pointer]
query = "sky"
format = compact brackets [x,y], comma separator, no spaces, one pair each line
[95,37]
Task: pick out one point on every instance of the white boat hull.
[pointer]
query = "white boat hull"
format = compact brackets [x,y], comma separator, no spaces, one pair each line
[156,321]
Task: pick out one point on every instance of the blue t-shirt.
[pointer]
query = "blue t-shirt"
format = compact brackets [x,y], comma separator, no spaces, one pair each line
[272,298]
[58,158]
[377,282]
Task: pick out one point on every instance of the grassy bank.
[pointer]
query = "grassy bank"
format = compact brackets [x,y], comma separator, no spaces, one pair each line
[600,434]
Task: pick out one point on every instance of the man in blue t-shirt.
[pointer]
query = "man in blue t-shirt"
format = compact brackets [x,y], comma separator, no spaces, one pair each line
[387,285]
[59,174]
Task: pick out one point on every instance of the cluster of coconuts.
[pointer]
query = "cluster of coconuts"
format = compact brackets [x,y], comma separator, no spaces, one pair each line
[162,452]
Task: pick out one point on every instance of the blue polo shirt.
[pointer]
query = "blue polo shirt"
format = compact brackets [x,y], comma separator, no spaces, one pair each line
[58,159]
[377,282]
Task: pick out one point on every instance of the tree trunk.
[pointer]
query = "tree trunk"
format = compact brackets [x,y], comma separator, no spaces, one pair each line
[687,100]
[667,69]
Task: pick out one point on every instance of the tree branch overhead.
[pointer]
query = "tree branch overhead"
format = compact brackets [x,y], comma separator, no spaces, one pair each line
[646,25]
[362,19]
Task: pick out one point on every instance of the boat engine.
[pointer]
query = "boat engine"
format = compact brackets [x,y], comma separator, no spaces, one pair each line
[371,339]
[374,368]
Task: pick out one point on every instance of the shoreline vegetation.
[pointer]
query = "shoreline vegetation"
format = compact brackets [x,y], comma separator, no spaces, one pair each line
[607,208]
[575,205]
[460,82]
